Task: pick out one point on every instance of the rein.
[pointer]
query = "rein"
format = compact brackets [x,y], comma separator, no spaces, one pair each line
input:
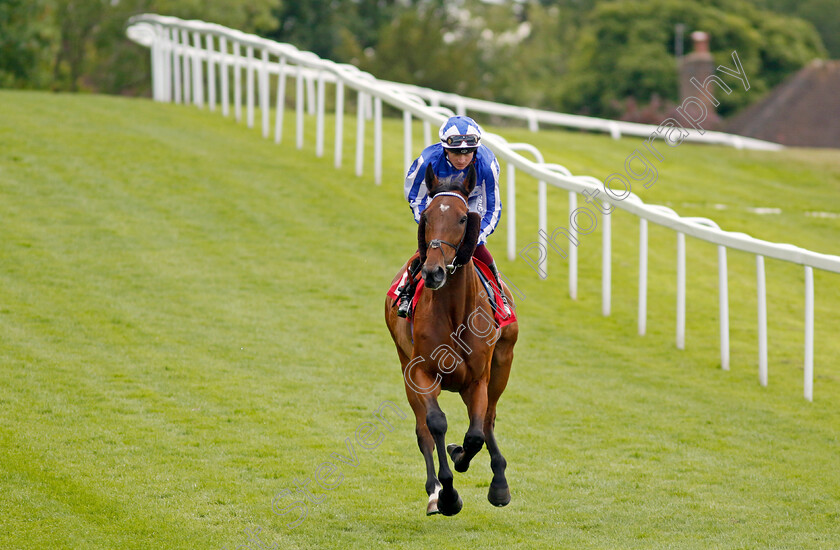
[435,243]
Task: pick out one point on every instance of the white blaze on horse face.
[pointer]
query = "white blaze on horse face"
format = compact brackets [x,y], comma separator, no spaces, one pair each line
[444,207]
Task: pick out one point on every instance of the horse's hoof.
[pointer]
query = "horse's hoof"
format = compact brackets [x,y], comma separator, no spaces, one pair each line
[454,450]
[456,453]
[434,497]
[450,509]
[499,496]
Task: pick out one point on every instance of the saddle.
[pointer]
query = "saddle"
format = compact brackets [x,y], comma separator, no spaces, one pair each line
[502,314]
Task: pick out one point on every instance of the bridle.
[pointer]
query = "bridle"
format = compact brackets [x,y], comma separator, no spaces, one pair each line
[435,243]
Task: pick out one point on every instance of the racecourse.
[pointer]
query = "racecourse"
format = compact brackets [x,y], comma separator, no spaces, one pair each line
[191,324]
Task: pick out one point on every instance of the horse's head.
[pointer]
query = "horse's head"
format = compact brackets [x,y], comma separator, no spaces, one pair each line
[448,231]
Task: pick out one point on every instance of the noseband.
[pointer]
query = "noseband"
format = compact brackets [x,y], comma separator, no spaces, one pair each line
[435,243]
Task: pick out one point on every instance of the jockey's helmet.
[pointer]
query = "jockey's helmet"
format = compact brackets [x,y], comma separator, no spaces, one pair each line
[460,133]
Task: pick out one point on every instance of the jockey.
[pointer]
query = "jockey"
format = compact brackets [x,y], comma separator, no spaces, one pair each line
[460,146]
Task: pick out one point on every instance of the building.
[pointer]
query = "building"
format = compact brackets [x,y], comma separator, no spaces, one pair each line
[802,111]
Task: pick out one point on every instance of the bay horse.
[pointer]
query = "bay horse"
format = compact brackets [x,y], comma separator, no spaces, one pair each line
[454,345]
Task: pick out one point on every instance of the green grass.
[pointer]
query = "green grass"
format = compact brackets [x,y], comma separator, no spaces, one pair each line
[191,320]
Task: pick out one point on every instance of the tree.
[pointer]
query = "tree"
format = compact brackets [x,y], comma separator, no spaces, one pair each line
[422,47]
[823,14]
[626,49]
[93,53]
[26,43]
[335,29]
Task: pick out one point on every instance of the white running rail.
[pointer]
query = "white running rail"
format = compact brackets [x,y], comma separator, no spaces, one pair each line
[192,62]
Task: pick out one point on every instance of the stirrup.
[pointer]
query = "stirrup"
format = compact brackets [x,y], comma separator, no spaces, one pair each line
[502,295]
[407,293]
[405,304]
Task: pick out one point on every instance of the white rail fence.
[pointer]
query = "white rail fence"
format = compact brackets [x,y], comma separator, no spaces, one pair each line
[535,118]
[193,62]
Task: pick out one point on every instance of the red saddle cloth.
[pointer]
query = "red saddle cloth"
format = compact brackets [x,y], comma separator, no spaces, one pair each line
[503,315]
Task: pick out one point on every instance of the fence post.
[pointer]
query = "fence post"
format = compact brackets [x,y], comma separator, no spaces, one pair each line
[185,67]
[643,269]
[339,121]
[225,75]
[264,93]
[407,156]
[249,84]
[319,116]
[166,54]
[281,101]
[237,82]
[311,106]
[723,307]
[198,79]
[299,106]
[809,333]
[211,73]
[680,290]
[156,56]
[573,255]
[606,264]
[511,208]
[176,65]
[361,99]
[377,140]
[542,221]
[762,320]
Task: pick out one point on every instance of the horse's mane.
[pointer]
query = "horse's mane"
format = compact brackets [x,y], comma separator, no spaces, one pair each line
[450,184]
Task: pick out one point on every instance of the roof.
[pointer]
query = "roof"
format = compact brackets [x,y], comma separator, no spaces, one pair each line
[802,111]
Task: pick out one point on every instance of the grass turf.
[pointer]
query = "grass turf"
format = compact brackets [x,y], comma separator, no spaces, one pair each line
[191,323]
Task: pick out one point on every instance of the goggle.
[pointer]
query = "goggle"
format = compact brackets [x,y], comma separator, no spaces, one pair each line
[470,140]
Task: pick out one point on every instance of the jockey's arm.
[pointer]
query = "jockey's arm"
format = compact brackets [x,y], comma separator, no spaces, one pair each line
[492,204]
[415,188]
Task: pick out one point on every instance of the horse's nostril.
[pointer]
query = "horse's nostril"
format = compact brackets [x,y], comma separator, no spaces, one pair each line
[434,277]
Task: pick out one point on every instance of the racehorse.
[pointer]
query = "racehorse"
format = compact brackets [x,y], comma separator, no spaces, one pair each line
[454,345]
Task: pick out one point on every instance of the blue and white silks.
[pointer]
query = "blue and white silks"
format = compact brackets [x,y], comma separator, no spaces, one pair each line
[484,199]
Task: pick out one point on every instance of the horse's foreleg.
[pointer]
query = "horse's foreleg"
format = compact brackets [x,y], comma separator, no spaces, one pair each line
[475,398]
[427,447]
[449,502]
[425,442]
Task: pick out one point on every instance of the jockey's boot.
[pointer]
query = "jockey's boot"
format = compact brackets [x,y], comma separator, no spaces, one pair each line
[501,288]
[407,293]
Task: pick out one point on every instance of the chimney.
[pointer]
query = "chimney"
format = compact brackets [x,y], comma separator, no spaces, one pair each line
[701,43]
[698,64]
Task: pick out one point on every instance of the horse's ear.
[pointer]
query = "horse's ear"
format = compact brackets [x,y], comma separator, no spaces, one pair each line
[469,181]
[421,239]
[465,252]
[431,179]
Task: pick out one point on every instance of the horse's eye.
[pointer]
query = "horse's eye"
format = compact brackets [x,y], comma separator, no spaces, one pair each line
[463,220]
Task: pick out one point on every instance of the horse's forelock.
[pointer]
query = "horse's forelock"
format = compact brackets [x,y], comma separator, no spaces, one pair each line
[450,184]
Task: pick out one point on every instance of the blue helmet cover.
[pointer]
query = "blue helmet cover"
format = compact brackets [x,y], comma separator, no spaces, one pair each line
[459,126]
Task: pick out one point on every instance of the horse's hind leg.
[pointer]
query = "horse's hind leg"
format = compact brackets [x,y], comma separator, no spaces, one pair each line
[499,492]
